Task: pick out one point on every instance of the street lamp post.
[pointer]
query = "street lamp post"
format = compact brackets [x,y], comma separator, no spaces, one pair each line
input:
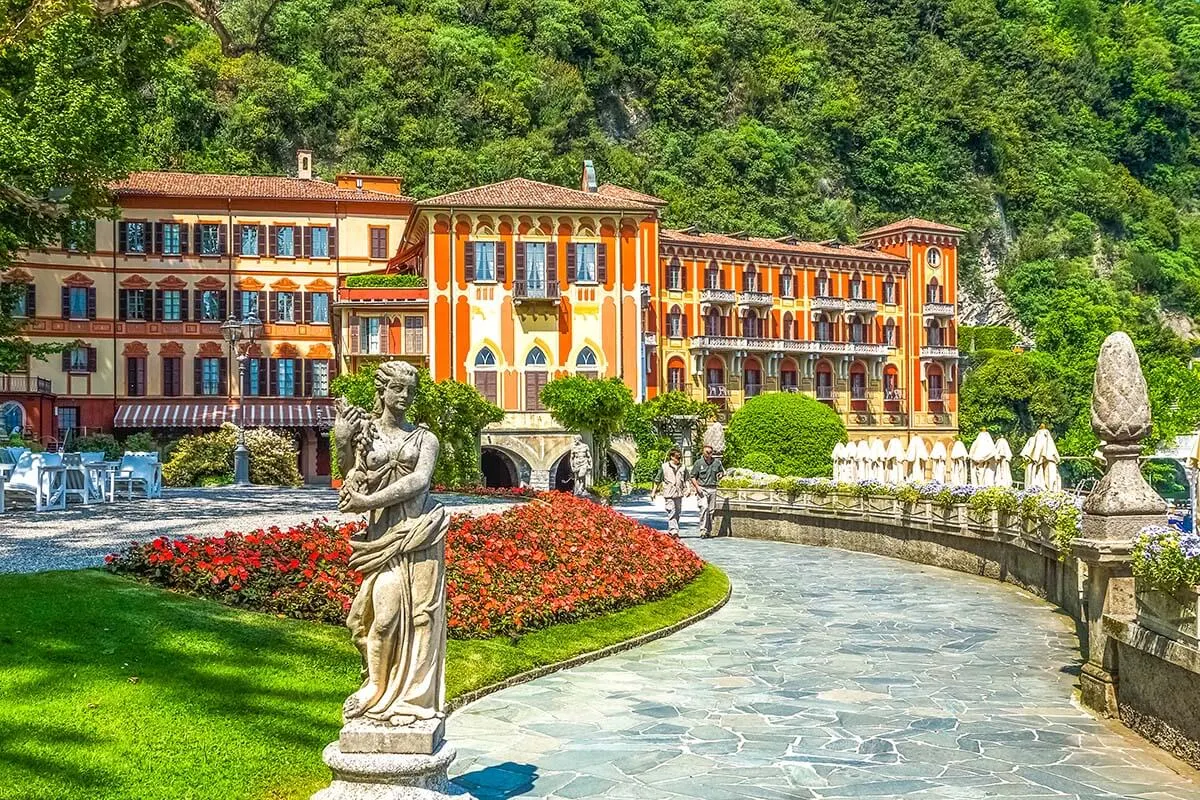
[240,336]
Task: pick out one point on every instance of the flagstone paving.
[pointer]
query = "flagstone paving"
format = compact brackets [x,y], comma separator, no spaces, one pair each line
[828,675]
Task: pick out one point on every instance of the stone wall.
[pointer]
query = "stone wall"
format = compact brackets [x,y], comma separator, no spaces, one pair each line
[1006,549]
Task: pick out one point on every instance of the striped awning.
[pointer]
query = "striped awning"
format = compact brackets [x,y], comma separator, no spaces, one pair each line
[170,415]
[308,414]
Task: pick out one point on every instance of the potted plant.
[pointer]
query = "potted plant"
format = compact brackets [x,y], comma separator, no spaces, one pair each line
[1166,570]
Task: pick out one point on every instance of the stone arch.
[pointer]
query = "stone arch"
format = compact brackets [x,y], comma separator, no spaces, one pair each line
[501,467]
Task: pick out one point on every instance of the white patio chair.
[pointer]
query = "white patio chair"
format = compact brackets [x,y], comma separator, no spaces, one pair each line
[83,481]
[40,477]
[142,470]
[9,455]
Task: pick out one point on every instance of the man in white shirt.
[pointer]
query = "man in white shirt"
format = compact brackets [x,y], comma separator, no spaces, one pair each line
[672,479]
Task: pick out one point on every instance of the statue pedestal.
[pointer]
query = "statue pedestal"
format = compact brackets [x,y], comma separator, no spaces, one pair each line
[389,776]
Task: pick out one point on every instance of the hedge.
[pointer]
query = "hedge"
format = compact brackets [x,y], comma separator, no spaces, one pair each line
[388,281]
[795,432]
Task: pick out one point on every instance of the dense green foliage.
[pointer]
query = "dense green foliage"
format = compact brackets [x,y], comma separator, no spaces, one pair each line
[121,685]
[597,406]
[206,459]
[985,337]
[792,433]
[455,412]
[652,424]
[386,281]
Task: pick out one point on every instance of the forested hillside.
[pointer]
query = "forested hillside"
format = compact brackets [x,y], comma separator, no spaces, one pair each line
[1064,134]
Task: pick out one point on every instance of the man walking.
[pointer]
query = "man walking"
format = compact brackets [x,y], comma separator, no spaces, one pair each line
[672,480]
[706,476]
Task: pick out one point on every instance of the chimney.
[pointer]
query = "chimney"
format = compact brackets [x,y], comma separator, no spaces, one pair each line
[304,165]
[588,182]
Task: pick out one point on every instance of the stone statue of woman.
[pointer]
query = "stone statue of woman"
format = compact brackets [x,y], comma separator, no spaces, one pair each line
[398,618]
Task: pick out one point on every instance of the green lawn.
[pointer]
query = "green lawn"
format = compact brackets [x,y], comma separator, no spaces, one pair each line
[111,689]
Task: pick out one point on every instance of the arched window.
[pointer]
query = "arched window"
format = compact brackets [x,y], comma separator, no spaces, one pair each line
[889,291]
[12,418]
[821,285]
[889,333]
[676,375]
[714,323]
[675,323]
[935,334]
[935,380]
[787,283]
[891,387]
[485,378]
[858,384]
[857,288]
[859,330]
[824,379]
[714,377]
[824,328]
[536,377]
[675,275]
[749,279]
[712,276]
[752,377]
[586,364]
[933,257]
[789,377]
[933,292]
[752,326]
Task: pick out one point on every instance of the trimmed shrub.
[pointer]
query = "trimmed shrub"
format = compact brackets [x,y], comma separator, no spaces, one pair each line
[386,282]
[206,459]
[142,442]
[796,432]
[648,464]
[759,462]
[98,442]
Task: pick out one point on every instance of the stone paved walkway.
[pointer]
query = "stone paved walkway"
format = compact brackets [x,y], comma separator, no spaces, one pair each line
[828,675]
[81,536]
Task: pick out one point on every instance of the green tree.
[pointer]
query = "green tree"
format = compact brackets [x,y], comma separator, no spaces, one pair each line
[791,432]
[598,406]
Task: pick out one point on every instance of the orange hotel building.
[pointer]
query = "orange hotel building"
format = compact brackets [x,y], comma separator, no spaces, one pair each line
[526,282]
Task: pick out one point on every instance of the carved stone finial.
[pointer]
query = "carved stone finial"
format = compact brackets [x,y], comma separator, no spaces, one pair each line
[1120,403]
[1121,418]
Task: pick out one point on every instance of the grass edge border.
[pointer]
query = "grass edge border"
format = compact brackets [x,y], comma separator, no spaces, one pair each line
[461,701]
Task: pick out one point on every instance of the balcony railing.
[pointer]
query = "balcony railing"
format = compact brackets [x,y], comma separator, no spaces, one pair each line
[937,395]
[939,351]
[717,390]
[939,310]
[821,303]
[862,305]
[754,298]
[787,346]
[893,397]
[717,296]
[24,384]
[534,291]
[826,393]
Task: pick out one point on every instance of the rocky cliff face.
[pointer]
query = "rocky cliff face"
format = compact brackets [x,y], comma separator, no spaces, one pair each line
[980,300]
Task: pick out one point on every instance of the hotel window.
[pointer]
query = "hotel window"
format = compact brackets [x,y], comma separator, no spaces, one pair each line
[319,245]
[172,305]
[936,335]
[320,309]
[131,237]
[712,277]
[249,304]
[586,364]
[889,292]
[285,377]
[249,244]
[253,385]
[933,292]
[67,418]
[414,335]
[891,385]
[135,305]
[210,305]
[936,387]
[485,261]
[675,323]
[25,301]
[210,376]
[675,276]
[824,329]
[934,257]
[788,380]
[285,241]
[857,288]
[889,333]
[171,241]
[535,268]
[536,377]
[822,286]
[79,359]
[750,279]
[585,263]
[787,283]
[319,372]
[858,383]
[485,375]
[210,240]
[172,376]
[379,243]
[285,307]
[858,331]
[675,379]
[789,326]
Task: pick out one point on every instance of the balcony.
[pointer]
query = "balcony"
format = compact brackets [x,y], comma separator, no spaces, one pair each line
[822,303]
[938,310]
[937,395]
[24,384]
[826,394]
[717,391]
[650,338]
[849,348]
[536,292]
[718,296]
[939,351]
[754,299]
[862,305]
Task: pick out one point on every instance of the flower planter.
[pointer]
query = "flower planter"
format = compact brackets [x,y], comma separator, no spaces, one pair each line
[1175,615]
[847,502]
[881,505]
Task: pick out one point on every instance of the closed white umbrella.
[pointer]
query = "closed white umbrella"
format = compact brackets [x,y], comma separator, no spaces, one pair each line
[897,466]
[983,454]
[1049,461]
[862,460]
[839,461]
[960,464]
[937,462]
[1033,475]
[1003,463]
[915,457]
[878,460]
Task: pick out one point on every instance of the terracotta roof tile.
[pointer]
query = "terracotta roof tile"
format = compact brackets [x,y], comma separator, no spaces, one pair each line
[776,246]
[612,190]
[524,193]
[192,184]
[912,222]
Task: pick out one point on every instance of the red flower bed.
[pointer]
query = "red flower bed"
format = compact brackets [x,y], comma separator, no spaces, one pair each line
[488,491]
[556,559]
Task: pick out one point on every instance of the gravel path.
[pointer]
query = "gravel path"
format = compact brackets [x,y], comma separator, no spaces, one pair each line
[81,537]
